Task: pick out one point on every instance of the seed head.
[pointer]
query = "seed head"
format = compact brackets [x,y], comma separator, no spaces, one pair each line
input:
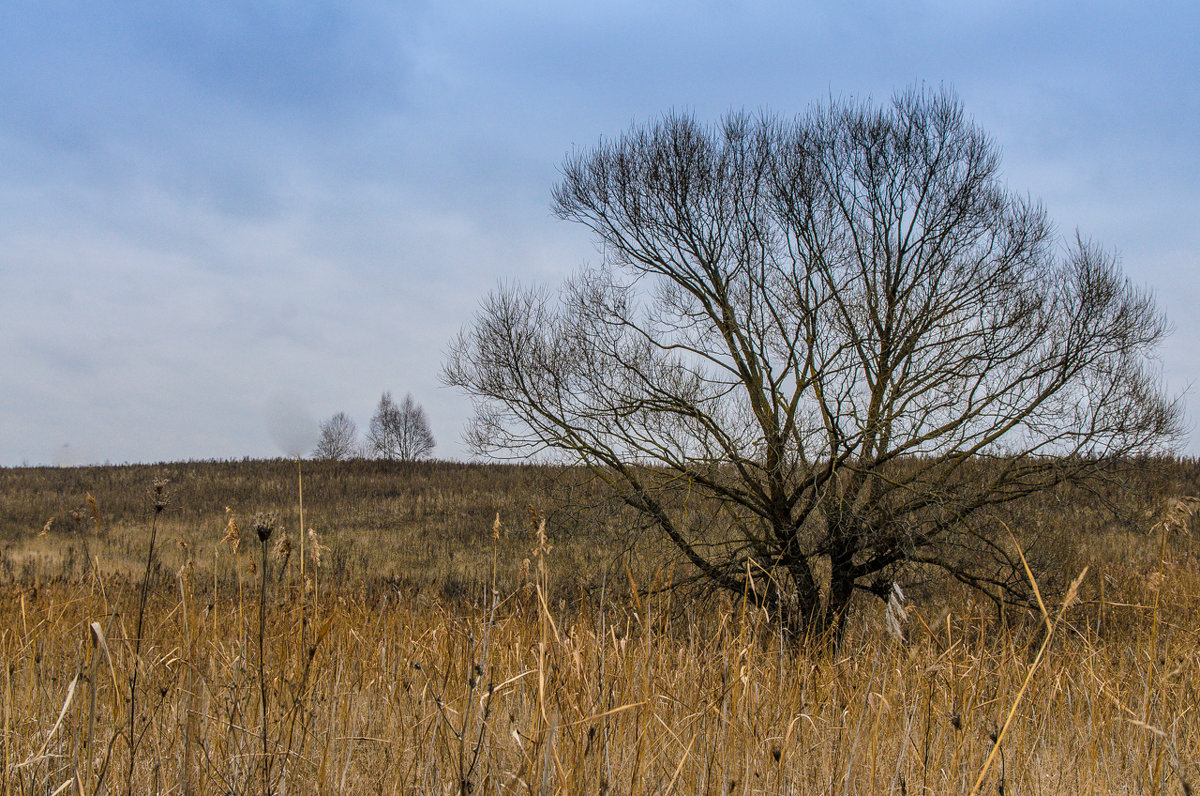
[283,548]
[233,534]
[95,510]
[160,495]
[264,525]
[315,547]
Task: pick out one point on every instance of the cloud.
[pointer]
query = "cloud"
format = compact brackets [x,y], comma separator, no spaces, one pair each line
[206,204]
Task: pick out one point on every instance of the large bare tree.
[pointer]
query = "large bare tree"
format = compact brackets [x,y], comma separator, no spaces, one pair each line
[842,329]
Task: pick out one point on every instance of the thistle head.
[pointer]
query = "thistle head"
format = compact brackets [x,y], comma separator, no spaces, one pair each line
[160,494]
[264,524]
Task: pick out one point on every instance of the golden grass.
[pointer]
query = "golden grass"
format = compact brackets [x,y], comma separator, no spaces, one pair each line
[395,696]
[544,684]
[415,525]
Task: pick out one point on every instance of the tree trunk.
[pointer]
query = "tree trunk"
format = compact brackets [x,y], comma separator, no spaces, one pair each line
[841,589]
[800,612]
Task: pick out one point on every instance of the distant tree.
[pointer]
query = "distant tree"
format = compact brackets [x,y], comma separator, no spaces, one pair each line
[400,433]
[339,438]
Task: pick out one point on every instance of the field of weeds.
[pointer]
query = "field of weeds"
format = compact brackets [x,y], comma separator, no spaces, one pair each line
[450,629]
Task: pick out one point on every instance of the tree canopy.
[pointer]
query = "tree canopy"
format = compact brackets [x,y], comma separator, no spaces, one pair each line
[843,328]
[400,432]
[339,438]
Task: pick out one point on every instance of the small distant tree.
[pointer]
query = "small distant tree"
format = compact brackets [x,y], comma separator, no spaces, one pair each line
[400,432]
[339,438]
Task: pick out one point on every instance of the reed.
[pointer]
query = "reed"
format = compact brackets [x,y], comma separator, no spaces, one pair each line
[536,682]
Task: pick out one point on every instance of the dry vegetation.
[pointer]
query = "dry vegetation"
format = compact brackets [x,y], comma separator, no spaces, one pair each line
[432,650]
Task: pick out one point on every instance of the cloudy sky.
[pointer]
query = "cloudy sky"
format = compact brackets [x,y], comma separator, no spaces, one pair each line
[215,215]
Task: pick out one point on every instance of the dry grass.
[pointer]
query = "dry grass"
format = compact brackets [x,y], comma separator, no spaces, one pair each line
[416,527]
[552,682]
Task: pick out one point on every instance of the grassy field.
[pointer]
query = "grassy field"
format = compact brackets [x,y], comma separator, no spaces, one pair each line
[491,629]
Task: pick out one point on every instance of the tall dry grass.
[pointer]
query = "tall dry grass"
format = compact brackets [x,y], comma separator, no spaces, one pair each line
[398,697]
[536,683]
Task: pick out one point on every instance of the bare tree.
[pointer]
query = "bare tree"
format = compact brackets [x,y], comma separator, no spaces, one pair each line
[400,433]
[339,438]
[819,351]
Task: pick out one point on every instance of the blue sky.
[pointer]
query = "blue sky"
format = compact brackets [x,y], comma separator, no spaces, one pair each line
[209,211]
